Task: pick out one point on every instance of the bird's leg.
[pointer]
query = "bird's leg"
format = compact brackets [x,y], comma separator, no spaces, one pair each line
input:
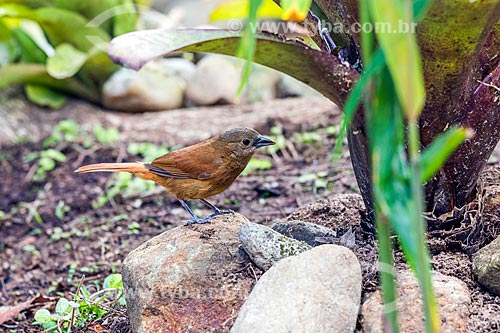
[194,218]
[217,211]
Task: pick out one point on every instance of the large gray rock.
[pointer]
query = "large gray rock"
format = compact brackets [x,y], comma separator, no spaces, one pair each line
[453,299]
[188,279]
[486,266]
[316,291]
[266,247]
[303,231]
[153,88]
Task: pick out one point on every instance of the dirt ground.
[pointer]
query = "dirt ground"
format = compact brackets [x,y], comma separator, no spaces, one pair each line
[46,246]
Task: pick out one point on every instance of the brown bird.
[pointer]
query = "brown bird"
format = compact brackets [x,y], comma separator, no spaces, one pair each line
[199,171]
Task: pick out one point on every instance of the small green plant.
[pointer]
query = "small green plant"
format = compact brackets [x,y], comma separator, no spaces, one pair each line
[61,210]
[256,164]
[307,137]
[65,131]
[148,151]
[134,228]
[46,160]
[105,136]
[84,308]
[317,180]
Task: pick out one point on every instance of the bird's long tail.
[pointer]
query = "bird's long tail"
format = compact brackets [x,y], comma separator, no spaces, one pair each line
[135,168]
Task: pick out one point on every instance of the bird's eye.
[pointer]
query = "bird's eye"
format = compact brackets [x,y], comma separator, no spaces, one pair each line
[246,142]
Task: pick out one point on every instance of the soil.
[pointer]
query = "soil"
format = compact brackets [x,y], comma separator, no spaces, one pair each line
[44,251]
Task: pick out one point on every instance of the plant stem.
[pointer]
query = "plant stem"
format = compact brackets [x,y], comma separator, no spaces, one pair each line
[387,276]
[432,321]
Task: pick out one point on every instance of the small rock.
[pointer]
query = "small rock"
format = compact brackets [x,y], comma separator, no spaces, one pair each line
[218,78]
[315,291]
[486,266]
[188,279]
[179,67]
[453,299]
[266,247]
[302,231]
[290,87]
[152,88]
[341,211]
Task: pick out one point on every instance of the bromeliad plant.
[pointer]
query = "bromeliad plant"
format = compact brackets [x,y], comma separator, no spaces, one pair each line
[410,100]
[58,47]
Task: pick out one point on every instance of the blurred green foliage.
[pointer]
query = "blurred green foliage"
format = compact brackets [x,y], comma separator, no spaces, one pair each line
[58,47]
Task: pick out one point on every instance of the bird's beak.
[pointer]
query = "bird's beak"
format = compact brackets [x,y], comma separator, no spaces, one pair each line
[262,141]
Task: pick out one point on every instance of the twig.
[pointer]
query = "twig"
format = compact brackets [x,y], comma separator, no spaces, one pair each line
[71,323]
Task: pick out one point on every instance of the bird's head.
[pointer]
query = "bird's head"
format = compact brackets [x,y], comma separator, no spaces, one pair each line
[242,142]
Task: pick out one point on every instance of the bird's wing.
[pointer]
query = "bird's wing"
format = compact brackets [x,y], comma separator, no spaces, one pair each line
[194,164]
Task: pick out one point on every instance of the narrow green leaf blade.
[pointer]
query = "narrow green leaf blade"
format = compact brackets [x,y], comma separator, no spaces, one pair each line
[434,156]
[401,53]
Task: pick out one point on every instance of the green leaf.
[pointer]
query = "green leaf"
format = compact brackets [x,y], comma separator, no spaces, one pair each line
[30,52]
[47,164]
[54,154]
[44,96]
[61,26]
[106,136]
[66,61]
[43,316]
[434,156]
[291,57]
[401,53]
[113,281]
[62,306]
[37,74]
[126,20]
[238,9]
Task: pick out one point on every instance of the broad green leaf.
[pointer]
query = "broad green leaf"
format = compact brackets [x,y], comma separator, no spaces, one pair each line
[37,74]
[43,316]
[294,58]
[434,156]
[61,26]
[44,96]
[238,9]
[401,53]
[113,281]
[126,20]
[66,61]
[295,10]
[62,305]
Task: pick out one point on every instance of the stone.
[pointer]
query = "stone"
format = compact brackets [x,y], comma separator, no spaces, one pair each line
[303,231]
[453,299]
[153,88]
[179,67]
[290,87]
[486,266]
[218,78]
[316,291]
[266,247]
[188,279]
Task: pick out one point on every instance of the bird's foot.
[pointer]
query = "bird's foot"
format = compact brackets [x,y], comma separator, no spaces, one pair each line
[198,220]
[220,212]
